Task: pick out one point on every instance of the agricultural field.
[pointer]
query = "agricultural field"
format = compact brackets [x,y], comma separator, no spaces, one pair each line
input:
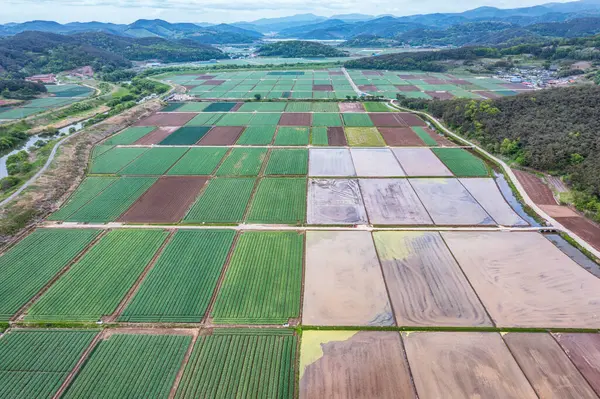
[57,96]
[285,249]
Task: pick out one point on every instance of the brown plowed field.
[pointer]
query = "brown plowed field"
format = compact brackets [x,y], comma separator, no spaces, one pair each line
[190,87]
[156,136]
[335,73]
[213,82]
[322,88]
[489,94]
[535,187]
[584,228]
[515,86]
[584,352]
[400,136]
[409,77]
[295,119]
[222,135]
[336,136]
[166,201]
[205,77]
[444,95]
[367,88]
[386,119]
[440,140]
[167,119]
[433,81]
[411,119]
[460,82]
[372,73]
[351,107]
[236,107]
[407,88]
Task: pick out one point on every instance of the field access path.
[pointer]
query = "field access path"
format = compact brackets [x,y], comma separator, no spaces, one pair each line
[513,177]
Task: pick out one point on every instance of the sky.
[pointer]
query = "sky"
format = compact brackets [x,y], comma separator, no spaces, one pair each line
[216,11]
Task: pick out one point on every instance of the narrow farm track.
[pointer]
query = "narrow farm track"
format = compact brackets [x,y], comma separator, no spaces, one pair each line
[509,172]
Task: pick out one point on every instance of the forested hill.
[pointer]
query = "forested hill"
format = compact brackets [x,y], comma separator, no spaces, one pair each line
[553,130]
[35,52]
[299,48]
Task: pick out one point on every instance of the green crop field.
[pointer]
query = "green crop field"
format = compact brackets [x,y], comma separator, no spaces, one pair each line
[257,135]
[376,107]
[179,287]
[155,161]
[318,136]
[113,201]
[199,161]
[235,119]
[243,162]
[186,135]
[191,107]
[219,107]
[427,139]
[461,162]
[205,119]
[35,362]
[283,161]
[279,201]
[262,107]
[224,201]
[115,159]
[324,107]
[264,279]
[87,190]
[257,363]
[288,135]
[28,266]
[298,107]
[265,118]
[326,119]
[364,137]
[172,107]
[357,119]
[131,366]
[95,285]
[100,149]
[129,135]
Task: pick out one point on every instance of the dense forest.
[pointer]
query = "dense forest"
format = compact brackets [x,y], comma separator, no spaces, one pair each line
[20,89]
[299,48]
[34,52]
[554,130]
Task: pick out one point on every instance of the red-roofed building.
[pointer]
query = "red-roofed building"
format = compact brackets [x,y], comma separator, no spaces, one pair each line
[46,79]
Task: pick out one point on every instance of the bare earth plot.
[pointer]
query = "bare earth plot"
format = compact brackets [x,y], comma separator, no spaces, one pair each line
[343,282]
[420,162]
[330,162]
[489,197]
[374,162]
[393,202]
[353,364]
[584,352]
[335,201]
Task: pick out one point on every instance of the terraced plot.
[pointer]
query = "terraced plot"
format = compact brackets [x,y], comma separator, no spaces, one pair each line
[263,281]
[279,200]
[461,162]
[131,366]
[155,161]
[257,363]
[113,201]
[186,135]
[28,266]
[179,287]
[287,162]
[223,201]
[243,162]
[94,286]
[87,190]
[36,362]
[292,136]
[257,135]
[364,137]
[115,159]
[129,135]
[199,161]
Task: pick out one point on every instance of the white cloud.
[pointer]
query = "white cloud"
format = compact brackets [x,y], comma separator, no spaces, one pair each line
[126,11]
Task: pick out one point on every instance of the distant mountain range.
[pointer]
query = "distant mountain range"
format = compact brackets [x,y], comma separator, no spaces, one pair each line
[483,25]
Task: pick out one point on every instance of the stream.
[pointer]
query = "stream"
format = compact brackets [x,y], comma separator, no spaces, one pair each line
[32,140]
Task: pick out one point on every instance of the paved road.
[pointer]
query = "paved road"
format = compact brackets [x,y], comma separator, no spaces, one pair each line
[354,86]
[512,177]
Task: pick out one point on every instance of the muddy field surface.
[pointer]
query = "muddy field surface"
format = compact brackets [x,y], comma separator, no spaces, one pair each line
[375,162]
[400,136]
[584,352]
[167,119]
[222,135]
[156,136]
[343,281]
[535,188]
[354,364]
[464,365]
[411,119]
[486,192]
[393,202]
[420,162]
[525,281]
[387,119]
[330,162]
[167,201]
[584,228]
[295,119]
[336,136]
[335,201]
[426,285]
[351,107]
